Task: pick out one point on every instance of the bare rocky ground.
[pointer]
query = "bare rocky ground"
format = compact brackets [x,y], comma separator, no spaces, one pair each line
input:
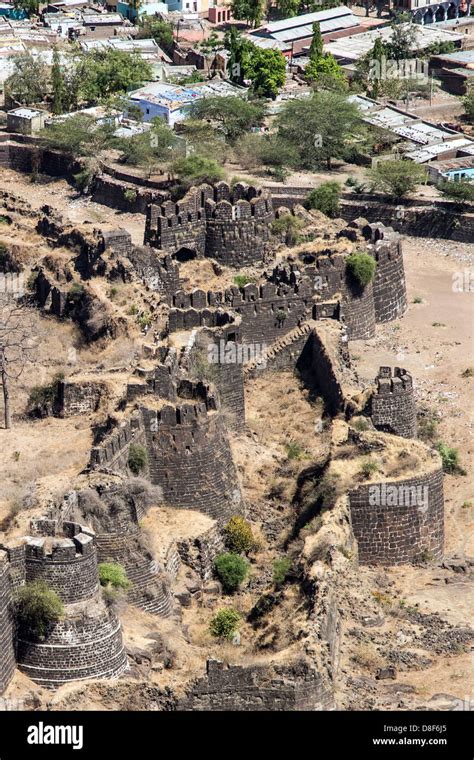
[406,641]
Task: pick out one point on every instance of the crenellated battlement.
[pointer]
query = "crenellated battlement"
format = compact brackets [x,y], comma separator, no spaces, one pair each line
[231,225]
[393,403]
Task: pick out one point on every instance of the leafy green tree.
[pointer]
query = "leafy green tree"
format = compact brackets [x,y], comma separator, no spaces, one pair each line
[468,103]
[462,191]
[225,623]
[397,177]
[233,116]
[148,148]
[77,135]
[28,82]
[161,31]
[316,47]
[404,37]
[326,72]
[200,139]
[325,198]
[37,607]
[196,169]
[320,128]
[31,7]
[250,11]
[361,266]
[231,570]
[57,84]
[239,54]
[267,70]
[288,8]
[211,46]
[102,73]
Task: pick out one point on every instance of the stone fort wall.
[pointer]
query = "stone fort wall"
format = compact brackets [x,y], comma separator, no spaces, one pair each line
[393,403]
[229,225]
[400,534]
[7,648]
[191,459]
[87,641]
[296,686]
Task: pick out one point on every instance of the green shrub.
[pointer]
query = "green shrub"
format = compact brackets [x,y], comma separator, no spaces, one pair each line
[238,535]
[113,574]
[360,424]
[231,570]
[294,450]
[281,315]
[361,267]
[144,321]
[368,468]
[38,607]
[450,459]
[225,623]
[137,458]
[325,198]
[281,569]
[289,226]
[243,279]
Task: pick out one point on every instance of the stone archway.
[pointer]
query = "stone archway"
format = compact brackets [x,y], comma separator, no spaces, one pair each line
[440,14]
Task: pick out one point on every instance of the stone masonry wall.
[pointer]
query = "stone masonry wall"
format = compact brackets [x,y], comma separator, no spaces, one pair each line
[296,686]
[232,226]
[75,649]
[7,650]
[190,458]
[399,534]
[70,567]
[393,403]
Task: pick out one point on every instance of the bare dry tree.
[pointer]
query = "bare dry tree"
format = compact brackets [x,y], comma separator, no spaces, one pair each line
[16,344]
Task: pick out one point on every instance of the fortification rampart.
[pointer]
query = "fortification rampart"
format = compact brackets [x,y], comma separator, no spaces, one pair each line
[401,521]
[7,648]
[190,456]
[87,641]
[67,564]
[231,226]
[393,403]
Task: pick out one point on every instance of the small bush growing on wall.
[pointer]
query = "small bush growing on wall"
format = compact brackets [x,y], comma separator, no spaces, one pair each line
[361,267]
[137,458]
[225,623]
[38,607]
[113,574]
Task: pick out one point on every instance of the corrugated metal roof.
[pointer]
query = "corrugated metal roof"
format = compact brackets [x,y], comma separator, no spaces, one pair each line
[307,18]
[331,25]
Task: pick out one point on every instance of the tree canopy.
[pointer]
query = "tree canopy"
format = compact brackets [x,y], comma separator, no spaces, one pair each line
[397,177]
[233,116]
[320,128]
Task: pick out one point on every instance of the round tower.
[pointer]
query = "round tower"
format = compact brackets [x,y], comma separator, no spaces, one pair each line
[87,641]
[393,403]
